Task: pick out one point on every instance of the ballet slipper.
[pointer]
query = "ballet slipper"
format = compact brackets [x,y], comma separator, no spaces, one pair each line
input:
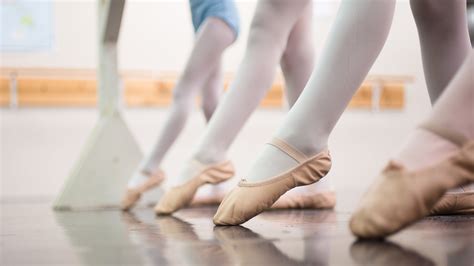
[455,203]
[182,195]
[399,197]
[210,200]
[251,198]
[132,195]
[318,200]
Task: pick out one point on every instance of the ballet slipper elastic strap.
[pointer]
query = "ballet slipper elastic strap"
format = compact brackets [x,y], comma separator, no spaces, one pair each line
[288,149]
[444,133]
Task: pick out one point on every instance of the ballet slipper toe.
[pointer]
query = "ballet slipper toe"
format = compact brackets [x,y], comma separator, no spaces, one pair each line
[243,203]
[249,199]
[177,198]
[317,201]
[399,198]
[133,195]
[181,196]
[394,201]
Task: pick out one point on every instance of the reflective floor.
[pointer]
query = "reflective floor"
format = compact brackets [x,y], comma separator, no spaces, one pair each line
[33,234]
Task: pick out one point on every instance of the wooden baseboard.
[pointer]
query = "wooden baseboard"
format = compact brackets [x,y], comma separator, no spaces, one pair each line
[157,91]
[4,91]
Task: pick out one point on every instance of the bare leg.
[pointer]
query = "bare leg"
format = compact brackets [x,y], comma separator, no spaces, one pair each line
[361,25]
[444,39]
[212,39]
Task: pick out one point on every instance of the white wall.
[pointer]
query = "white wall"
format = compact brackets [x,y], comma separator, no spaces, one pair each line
[157,35]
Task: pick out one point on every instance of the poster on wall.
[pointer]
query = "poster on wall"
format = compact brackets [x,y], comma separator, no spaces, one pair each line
[26,25]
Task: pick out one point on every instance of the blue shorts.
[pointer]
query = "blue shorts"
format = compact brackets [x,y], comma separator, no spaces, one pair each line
[222,9]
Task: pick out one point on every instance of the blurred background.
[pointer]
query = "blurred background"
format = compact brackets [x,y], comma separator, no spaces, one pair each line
[48,91]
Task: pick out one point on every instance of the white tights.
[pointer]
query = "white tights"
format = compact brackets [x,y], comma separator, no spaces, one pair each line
[355,40]
[280,32]
[202,73]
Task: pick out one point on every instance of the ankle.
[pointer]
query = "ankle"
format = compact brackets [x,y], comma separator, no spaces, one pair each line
[309,146]
[149,170]
[209,156]
[423,149]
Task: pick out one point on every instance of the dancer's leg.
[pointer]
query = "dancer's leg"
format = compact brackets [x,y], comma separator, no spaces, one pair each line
[297,61]
[212,39]
[444,39]
[358,35]
[211,92]
[455,110]
[400,197]
[269,31]
[361,25]
[270,28]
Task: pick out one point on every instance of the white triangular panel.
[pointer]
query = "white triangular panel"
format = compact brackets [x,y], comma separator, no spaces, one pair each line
[106,163]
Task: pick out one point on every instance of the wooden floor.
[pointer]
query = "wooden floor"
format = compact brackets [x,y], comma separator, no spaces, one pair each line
[32,234]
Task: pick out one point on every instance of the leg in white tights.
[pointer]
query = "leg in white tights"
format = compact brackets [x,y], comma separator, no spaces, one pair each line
[356,38]
[400,197]
[297,61]
[444,39]
[270,29]
[211,92]
[212,39]
[455,108]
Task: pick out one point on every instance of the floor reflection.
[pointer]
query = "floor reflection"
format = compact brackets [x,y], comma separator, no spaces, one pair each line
[386,253]
[175,241]
[98,237]
[273,238]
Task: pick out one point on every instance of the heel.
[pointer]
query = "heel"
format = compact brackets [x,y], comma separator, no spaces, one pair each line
[218,173]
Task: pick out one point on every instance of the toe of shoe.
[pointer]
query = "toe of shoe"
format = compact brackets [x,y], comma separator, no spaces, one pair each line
[128,201]
[227,214]
[363,225]
[223,217]
[160,209]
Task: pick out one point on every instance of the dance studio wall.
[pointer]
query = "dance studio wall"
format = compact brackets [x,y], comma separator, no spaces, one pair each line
[157,35]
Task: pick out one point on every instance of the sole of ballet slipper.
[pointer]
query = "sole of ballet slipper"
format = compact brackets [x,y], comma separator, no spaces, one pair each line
[455,203]
[317,201]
